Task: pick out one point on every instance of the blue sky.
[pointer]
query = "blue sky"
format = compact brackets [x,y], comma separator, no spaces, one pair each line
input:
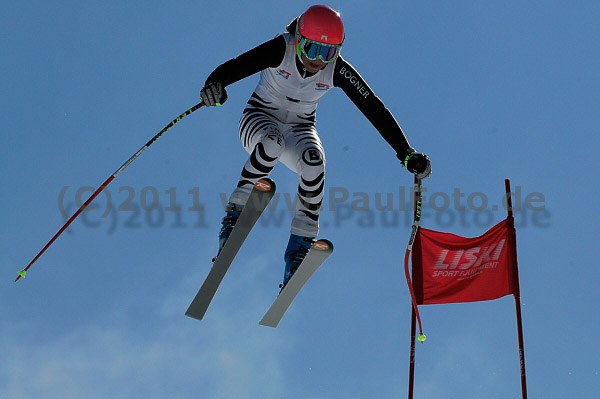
[488,90]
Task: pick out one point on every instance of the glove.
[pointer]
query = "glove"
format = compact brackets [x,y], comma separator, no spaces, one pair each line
[213,94]
[416,163]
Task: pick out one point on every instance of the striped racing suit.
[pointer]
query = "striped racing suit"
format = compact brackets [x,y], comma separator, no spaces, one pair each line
[278,122]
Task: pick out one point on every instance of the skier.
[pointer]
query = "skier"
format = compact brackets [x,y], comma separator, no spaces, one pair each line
[296,69]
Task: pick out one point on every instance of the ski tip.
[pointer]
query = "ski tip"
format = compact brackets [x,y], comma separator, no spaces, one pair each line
[265,184]
[323,245]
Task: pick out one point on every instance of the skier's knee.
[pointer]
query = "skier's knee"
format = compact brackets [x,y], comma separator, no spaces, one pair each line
[273,144]
[312,163]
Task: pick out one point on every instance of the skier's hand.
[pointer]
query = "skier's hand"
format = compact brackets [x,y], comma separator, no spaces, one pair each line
[213,94]
[418,164]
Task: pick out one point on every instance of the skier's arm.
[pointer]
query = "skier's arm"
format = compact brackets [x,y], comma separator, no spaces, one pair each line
[359,92]
[267,55]
[355,87]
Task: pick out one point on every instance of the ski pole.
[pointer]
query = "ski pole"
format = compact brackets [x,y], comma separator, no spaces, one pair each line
[23,272]
[415,228]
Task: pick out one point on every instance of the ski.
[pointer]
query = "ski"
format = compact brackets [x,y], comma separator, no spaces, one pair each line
[258,200]
[319,252]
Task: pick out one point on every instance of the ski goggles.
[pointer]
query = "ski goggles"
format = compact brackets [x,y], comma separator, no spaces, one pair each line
[318,51]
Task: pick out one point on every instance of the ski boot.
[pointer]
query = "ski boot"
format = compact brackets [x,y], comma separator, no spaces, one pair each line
[295,253]
[232,214]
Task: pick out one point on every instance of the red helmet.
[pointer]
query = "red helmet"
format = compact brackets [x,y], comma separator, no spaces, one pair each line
[320,33]
[322,24]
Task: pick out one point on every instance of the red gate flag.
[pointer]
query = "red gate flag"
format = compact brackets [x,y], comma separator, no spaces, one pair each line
[449,269]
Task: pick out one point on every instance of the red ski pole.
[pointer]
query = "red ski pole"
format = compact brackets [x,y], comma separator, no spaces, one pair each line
[23,272]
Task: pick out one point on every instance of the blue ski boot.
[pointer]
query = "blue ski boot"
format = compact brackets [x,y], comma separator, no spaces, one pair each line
[295,253]
[232,214]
